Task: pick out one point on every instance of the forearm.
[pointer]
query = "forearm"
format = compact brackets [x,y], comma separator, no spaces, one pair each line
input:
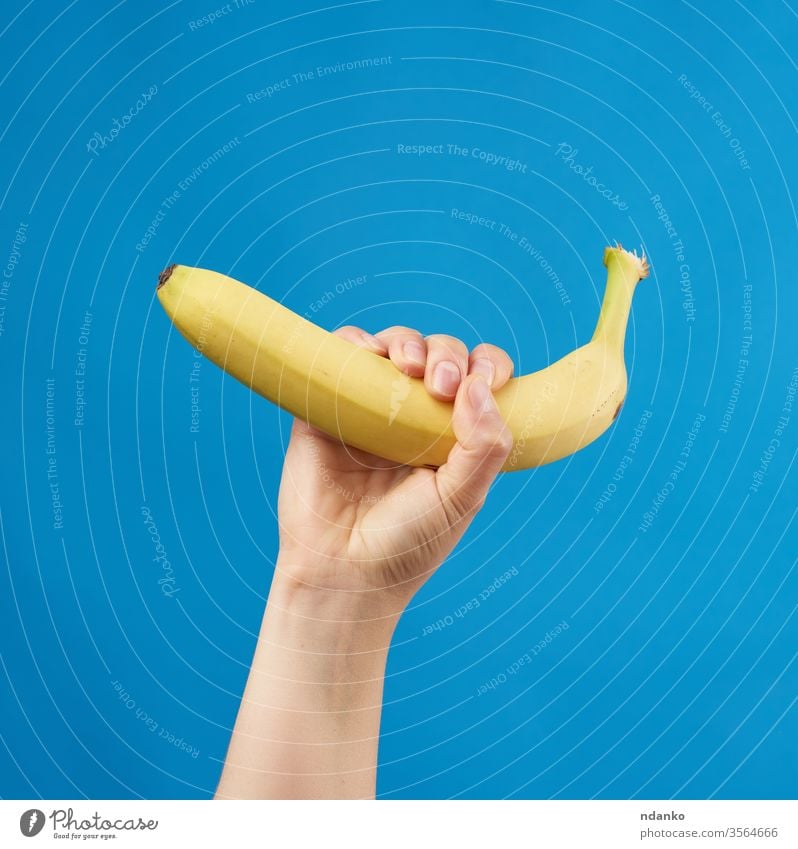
[308,725]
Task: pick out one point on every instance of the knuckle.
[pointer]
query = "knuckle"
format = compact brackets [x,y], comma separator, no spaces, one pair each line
[397,330]
[495,443]
[462,503]
[347,330]
[450,344]
[499,356]
[484,349]
[504,441]
[449,341]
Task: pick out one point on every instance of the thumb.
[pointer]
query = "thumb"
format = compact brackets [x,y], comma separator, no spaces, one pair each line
[483,444]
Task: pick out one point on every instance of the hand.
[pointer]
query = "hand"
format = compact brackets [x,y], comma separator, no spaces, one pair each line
[358,536]
[354,523]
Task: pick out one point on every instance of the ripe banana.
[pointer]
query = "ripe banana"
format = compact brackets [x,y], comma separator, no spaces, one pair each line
[362,399]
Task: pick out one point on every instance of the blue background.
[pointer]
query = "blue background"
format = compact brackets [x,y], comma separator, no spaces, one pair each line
[676,673]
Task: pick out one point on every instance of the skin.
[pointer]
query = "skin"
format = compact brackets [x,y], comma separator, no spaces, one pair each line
[352,555]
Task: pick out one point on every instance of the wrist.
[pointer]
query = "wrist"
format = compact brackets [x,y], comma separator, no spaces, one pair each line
[306,602]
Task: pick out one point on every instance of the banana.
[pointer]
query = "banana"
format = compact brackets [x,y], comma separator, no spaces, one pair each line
[362,399]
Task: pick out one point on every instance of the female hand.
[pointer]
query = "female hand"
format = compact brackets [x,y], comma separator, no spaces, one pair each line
[358,536]
[353,522]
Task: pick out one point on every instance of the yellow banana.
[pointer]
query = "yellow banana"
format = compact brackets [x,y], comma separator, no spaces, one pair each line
[362,399]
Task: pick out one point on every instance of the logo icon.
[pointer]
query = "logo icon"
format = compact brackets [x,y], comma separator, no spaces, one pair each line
[31,822]
[400,389]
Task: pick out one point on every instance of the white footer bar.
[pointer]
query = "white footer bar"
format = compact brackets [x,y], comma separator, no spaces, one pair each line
[403,824]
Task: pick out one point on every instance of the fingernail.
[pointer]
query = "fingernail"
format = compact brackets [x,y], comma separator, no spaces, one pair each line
[374,343]
[485,368]
[414,351]
[446,379]
[480,396]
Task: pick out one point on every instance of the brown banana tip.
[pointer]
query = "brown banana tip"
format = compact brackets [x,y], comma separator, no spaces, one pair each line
[165,275]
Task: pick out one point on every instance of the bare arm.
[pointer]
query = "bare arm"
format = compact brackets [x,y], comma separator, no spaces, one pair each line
[309,721]
[358,537]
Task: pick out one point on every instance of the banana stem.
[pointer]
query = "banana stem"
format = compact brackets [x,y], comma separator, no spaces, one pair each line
[624,271]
